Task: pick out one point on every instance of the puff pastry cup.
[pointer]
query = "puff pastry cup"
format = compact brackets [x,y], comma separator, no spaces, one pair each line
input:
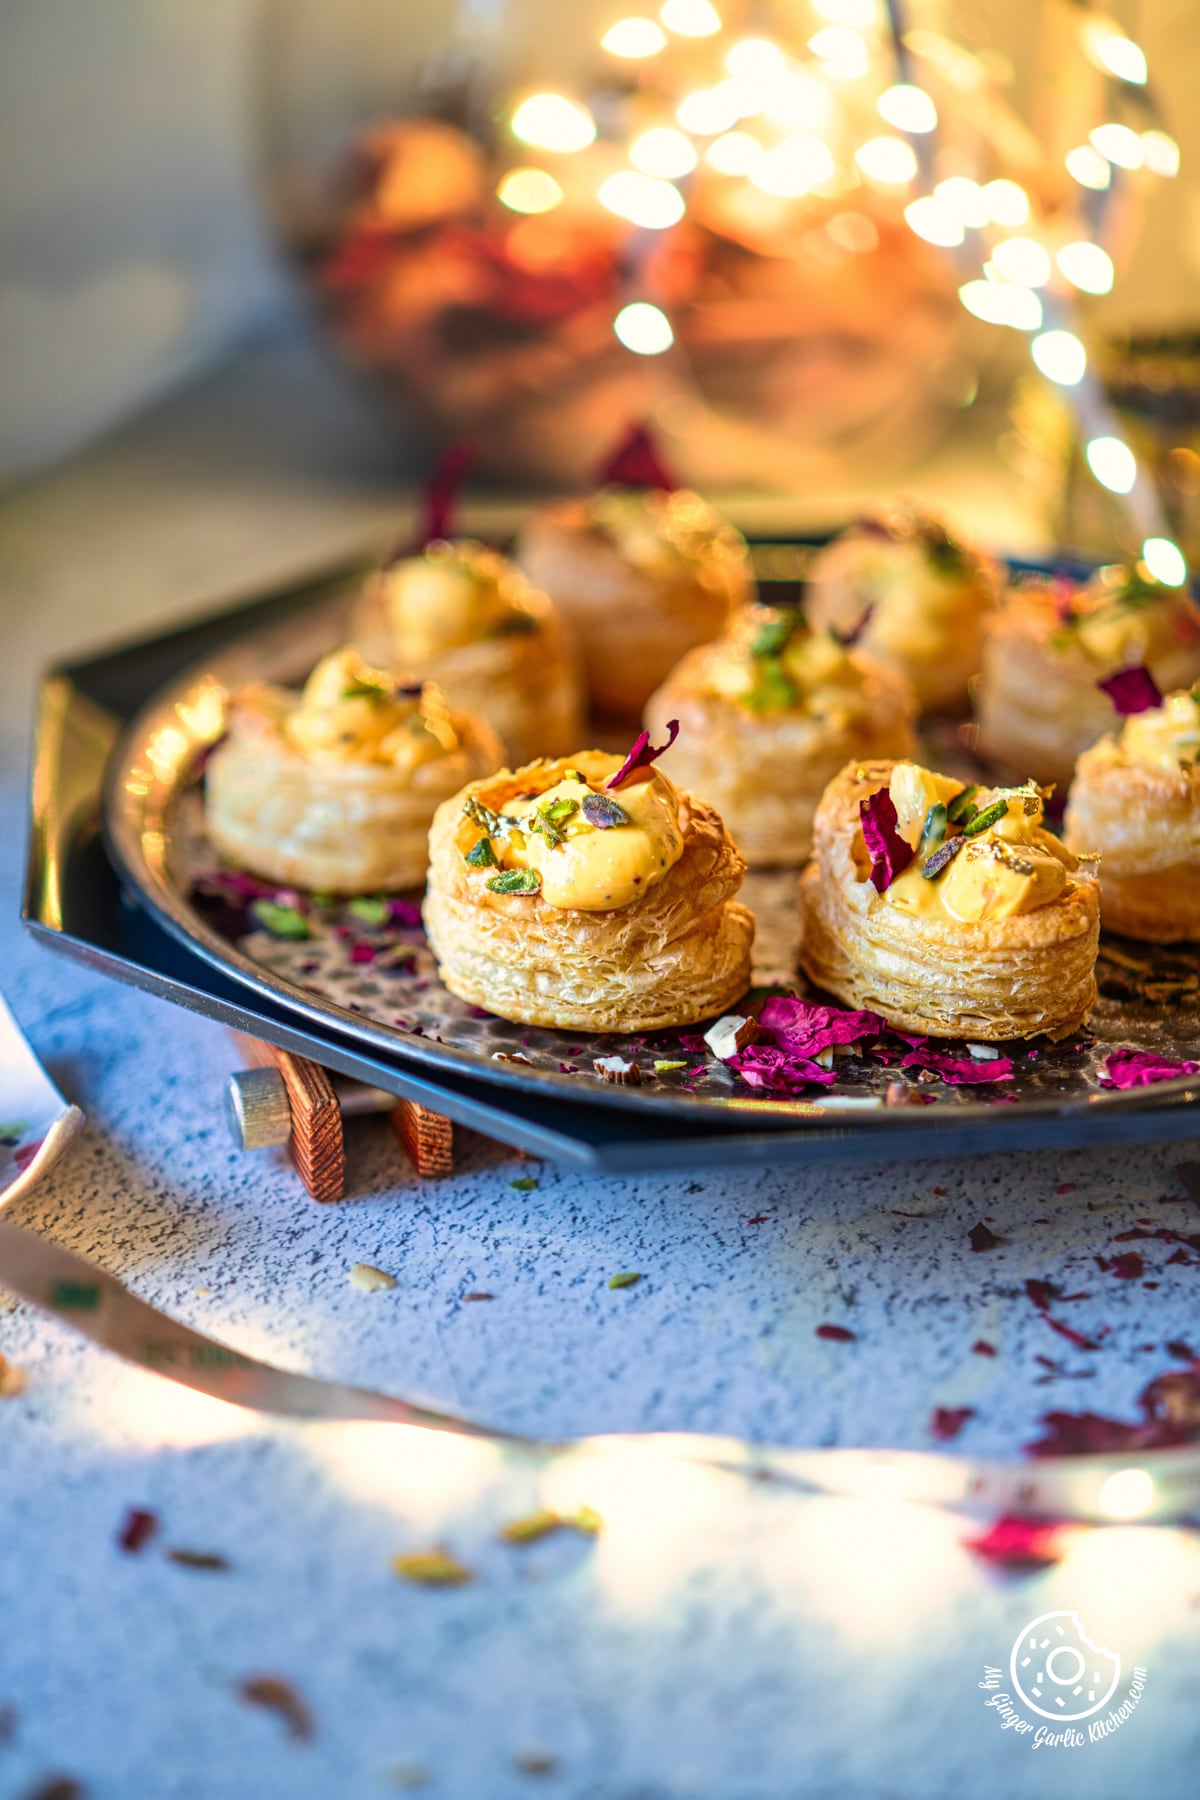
[642,576]
[768,715]
[626,924]
[919,595]
[334,789]
[1015,956]
[463,615]
[1037,702]
[1136,797]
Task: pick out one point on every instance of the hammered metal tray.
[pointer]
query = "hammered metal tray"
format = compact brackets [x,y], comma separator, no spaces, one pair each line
[373,983]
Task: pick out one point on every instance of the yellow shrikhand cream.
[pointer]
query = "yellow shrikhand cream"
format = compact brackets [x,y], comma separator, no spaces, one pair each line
[453,594]
[772,661]
[350,712]
[672,535]
[1010,866]
[1164,737]
[592,864]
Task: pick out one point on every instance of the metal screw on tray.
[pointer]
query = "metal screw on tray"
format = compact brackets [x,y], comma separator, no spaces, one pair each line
[285,1099]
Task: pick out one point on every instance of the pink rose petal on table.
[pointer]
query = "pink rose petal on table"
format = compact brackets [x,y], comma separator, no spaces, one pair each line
[1018,1543]
[1142,1068]
[959,1071]
[890,853]
[948,1421]
[835,1334]
[1132,690]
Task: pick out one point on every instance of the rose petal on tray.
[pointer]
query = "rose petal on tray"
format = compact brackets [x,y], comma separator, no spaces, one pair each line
[1128,1068]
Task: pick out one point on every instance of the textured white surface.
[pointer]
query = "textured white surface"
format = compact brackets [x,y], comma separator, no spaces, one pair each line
[720,1640]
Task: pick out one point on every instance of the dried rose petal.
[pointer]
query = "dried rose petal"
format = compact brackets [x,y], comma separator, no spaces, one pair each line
[1128,1267]
[1091,1434]
[279,1696]
[948,1421]
[641,754]
[137,1528]
[981,1347]
[803,1028]
[981,1238]
[959,1071]
[1141,1068]
[637,462]
[440,498]
[1131,690]
[1069,1332]
[1018,1543]
[767,1067]
[835,1334]
[890,853]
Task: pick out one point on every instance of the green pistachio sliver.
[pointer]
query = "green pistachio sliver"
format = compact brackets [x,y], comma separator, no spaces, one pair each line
[773,637]
[984,820]
[933,865]
[627,1278]
[933,832]
[516,881]
[558,810]
[482,815]
[280,921]
[603,812]
[959,808]
[772,691]
[369,909]
[481,855]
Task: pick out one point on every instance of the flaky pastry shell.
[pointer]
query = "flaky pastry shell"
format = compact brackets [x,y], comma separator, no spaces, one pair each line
[632,625]
[526,684]
[1004,978]
[678,954]
[345,828]
[1145,822]
[1038,708]
[765,773]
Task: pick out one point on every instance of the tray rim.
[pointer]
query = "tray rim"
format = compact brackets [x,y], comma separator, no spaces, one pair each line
[123,843]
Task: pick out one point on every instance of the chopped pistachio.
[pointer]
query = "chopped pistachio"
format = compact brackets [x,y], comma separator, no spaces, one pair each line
[772,690]
[985,819]
[483,816]
[960,807]
[431,1568]
[772,638]
[664,1066]
[933,832]
[534,1526]
[933,865]
[628,1278]
[602,812]
[524,1184]
[370,910]
[516,881]
[280,921]
[481,855]
[587,1519]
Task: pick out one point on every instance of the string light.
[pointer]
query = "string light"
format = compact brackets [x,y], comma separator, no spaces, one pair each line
[1109,49]
[1113,464]
[1006,202]
[643,200]
[1165,561]
[934,221]
[644,329]
[756,59]
[999,303]
[963,198]
[1060,356]
[907,108]
[1023,260]
[529,191]
[709,111]
[734,153]
[634,38]
[664,152]
[1160,153]
[846,12]
[843,51]
[1119,143]
[1126,1494]
[887,160]
[795,166]
[552,122]
[1086,266]
[1086,166]
[690,18]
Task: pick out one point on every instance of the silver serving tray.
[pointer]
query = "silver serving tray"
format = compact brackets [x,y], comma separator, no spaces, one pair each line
[393,1004]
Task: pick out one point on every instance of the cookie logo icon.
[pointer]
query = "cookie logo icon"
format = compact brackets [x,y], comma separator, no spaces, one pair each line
[1058,1671]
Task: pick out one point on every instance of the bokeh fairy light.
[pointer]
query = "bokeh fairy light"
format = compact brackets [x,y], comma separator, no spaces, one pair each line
[842,98]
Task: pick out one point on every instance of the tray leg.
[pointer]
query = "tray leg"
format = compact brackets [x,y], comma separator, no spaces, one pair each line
[427,1137]
[316,1145]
